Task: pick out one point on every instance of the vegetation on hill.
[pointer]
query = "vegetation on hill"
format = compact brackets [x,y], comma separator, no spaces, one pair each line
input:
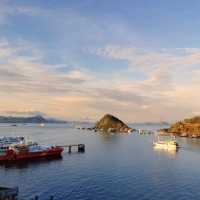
[110,123]
[187,128]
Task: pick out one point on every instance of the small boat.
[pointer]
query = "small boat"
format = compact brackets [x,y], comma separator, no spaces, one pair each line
[166,144]
[14,125]
[141,131]
[16,148]
[183,135]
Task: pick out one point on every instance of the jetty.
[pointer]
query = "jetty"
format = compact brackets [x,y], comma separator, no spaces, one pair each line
[12,194]
[145,132]
[78,147]
[8,193]
[37,198]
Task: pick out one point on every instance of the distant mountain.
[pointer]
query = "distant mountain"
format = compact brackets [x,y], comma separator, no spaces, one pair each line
[34,119]
[152,123]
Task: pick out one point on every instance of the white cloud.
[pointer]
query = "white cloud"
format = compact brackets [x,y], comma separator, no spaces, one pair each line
[170,83]
[9,10]
[80,93]
[166,89]
[147,59]
[26,72]
[21,112]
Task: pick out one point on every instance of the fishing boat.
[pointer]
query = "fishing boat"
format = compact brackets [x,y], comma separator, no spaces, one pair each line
[170,144]
[16,148]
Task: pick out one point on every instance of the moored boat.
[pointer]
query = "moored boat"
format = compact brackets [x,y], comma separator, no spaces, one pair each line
[166,144]
[22,150]
[42,125]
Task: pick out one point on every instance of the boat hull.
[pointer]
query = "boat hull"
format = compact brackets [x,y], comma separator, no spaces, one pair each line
[13,156]
[165,146]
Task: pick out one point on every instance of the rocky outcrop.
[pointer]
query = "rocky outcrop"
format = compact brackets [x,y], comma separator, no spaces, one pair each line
[109,123]
[186,128]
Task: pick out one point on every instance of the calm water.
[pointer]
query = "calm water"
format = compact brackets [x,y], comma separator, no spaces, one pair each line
[113,167]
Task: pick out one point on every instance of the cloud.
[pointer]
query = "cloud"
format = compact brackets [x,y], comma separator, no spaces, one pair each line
[79,93]
[9,10]
[25,72]
[6,75]
[151,59]
[23,113]
[120,96]
[169,82]
[141,84]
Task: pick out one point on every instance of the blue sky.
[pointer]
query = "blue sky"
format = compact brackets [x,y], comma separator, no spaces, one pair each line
[153,23]
[79,59]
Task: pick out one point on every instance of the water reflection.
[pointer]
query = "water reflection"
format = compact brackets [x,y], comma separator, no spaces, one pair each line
[189,144]
[113,167]
[169,152]
[29,163]
[191,141]
[110,136]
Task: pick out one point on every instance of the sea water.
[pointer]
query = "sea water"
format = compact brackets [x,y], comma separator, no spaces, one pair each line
[113,167]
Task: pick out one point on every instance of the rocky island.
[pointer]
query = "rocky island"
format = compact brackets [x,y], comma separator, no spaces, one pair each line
[109,123]
[187,128]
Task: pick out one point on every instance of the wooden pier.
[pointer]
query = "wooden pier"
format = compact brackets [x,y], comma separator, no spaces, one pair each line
[8,193]
[37,198]
[79,147]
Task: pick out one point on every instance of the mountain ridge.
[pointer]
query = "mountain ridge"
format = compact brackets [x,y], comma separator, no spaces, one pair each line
[37,119]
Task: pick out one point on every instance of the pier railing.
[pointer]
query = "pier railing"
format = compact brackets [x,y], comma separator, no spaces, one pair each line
[70,147]
[8,193]
[37,198]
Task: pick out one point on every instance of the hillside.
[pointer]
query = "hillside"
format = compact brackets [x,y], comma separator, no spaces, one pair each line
[189,127]
[110,123]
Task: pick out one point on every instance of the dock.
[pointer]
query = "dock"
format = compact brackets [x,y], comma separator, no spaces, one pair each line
[8,193]
[145,132]
[79,147]
[37,198]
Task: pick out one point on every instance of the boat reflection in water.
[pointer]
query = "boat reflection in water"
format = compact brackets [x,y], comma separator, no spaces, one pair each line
[167,151]
[169,145]
[23,164]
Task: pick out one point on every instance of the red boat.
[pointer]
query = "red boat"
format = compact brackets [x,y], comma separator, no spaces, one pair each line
[21,151]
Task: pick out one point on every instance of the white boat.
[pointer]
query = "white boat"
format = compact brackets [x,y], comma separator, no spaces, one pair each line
[11,140]
[6,142]
[42,125]
[166,144]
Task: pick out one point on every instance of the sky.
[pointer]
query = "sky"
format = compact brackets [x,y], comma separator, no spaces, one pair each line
[80,59]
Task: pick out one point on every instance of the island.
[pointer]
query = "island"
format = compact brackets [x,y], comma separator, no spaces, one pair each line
[38,119]
[109,123]
[189,127]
